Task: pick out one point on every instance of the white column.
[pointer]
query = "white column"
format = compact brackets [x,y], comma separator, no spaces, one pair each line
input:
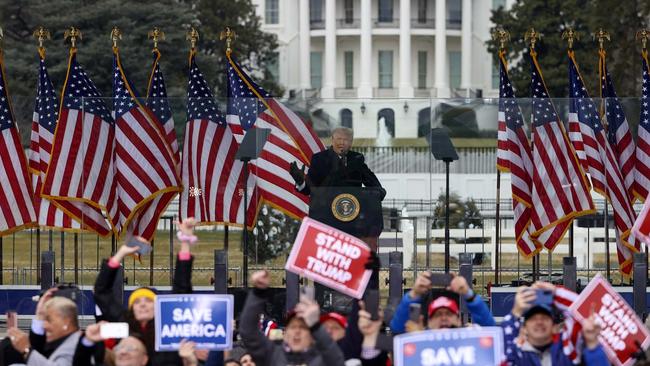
[442,76]
[466,46]
[330,50]
[405,84]
[305,46]
[365,60]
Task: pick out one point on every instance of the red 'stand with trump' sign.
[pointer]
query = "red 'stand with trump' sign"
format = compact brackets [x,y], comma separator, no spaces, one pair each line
[330,257]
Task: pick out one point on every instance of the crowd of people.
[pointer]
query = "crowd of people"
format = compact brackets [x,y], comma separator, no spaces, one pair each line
[534,331]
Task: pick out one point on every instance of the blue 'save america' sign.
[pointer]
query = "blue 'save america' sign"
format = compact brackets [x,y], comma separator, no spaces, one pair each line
[203,319]
[446,347]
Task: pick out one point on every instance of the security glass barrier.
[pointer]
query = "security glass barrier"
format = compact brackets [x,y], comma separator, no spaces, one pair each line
[111,155]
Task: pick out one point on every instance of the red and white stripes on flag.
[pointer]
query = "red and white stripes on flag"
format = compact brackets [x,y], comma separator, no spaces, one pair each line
[16,201]
[291,140]
[572,330]
[560,191]
[79,178]
[271,169]
[43,125]
[618,129]
[642,164]
[212,178]
[514,156]
[158,104]
[144,163]
[603,167]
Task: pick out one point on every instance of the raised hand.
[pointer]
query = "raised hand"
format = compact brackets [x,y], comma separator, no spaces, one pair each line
[298,174]
[308,310]
[523,300]
[260,280]
[40,307]
[422,285]
[459,285]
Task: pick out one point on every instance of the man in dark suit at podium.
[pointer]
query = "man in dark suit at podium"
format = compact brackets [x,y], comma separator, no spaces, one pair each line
[337,166]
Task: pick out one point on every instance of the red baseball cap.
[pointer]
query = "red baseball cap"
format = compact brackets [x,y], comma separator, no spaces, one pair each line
[443,302]
[340,319]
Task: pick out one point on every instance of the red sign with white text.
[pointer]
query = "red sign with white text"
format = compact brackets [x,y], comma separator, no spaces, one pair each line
[621,329]
[330,257]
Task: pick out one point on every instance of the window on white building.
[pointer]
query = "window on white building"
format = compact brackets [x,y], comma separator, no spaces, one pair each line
[386,69]
[272,11]
[385,10]
[496,4]
[454,14]
[348,57]
[345,116]
[422,11]
[349,11]
[315,11]
[422,69]
[454,70]
[273,67]
[495,75]
[316,69]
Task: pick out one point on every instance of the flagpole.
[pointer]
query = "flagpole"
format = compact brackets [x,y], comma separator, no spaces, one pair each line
[643,35]
[601,36]
[497,240]
[570,35]
[503,37]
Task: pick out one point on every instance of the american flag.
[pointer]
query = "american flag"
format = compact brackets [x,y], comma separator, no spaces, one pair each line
[46,113]
[79,178]
[517,159]
[291,140]
[618,130]
[212,178]
[144,163]
[603,167]
[572,330]
[159,104]
[560,190]
[642,166]
[16,201]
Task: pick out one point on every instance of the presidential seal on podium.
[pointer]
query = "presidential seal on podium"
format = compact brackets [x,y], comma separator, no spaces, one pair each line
[345,207]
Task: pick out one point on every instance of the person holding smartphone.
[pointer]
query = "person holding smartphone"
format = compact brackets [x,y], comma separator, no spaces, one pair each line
[54,332]
[443,312]
[531,331]
[305,341]
[140,311]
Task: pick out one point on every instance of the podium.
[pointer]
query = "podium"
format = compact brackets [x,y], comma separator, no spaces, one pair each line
[354,210]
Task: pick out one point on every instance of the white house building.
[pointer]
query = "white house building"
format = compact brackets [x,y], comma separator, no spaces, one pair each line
[370,61]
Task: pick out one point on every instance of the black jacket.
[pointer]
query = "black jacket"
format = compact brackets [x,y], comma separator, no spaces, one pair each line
[327,169]
[324,352]
[113,310]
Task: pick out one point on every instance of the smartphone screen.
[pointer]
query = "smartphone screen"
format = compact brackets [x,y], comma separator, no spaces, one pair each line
[543,297]
[309,292]
[372,303]
[440,279]
[143,248]
[12,319]
[415,309]
[114,330]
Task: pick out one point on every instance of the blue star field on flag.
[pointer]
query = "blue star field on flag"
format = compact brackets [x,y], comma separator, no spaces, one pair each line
[81,93]
[201,103]
[581,103]
[543,110]
[47,105]
[6,118]
[242,100]
[157,100]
